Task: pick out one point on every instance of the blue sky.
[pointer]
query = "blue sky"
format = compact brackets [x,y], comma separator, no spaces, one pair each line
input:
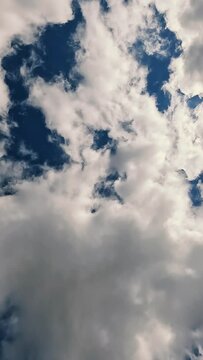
[101,180]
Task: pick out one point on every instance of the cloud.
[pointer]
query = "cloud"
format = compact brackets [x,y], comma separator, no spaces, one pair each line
[123,281]
[185,19]
[20,18]
[82,282]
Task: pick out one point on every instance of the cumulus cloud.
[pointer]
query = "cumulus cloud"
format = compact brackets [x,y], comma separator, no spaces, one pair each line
[185,18]
[124,281]
[20,18]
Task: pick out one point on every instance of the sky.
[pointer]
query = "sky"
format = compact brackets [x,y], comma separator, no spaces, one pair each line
[101,180]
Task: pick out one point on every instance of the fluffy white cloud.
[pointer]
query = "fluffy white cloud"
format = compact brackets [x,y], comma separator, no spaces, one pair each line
[124,282]
[20,17]
[185,18]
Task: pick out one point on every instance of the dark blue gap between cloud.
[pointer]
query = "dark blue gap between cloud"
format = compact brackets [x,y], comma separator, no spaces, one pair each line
[56,51]
[32,142]
[157,64]
[105,7]
[102,141]
[194,101]
[105,187]
[53,54]
[194,192]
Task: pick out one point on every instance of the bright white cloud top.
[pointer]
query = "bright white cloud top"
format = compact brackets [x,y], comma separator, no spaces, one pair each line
[105,266]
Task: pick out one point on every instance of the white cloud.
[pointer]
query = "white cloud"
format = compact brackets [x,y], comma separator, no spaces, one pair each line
[125,282]
[20,17]
[185,18]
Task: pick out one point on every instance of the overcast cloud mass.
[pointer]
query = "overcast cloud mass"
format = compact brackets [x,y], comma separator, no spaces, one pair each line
[101,186]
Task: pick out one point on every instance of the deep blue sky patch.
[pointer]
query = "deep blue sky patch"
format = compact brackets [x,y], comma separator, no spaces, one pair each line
[105,187]
[32,142]
[12,64]
[53,54]
[195,193]
[158,64]
[102,140]
[194,101]
[104,5]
